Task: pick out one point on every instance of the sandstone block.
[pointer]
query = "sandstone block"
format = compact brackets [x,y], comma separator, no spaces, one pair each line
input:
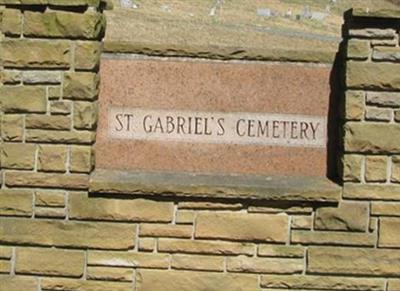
[147,244]
[264,265]
[124,259]
[389,235]
[87,55]
[18,156]
[60,107]
[50,212]
[373,192]
[358,49]
[375,168]
[39,121]
[239,226]
[352,216]
[47,180]
[332,238]
[373,33]
[373,76]
[393,285]
[301,222]
[150,280]
[20,53]
[386,54]
[18,283]
[50,198]
[49,262]
[11,23]
[378,114]
[209,205]
[82,159]
[352,167]
[395,169]
[5,267]
[83,285]
[85,115]
[200,263]
[41,77]
[109,274]
[81,86]
[82,207]
[12,127]
[354,105]
[54,93]
[383,42]
[52,158]
[185,217]
[383,99]
[10,77]
[165,230]
[385,208]
[374,138]
[397,115]
[90,25]
[280,251]
[5,253]
[16,202]
[24,99]
[353,261]
[67,233]
[60,136]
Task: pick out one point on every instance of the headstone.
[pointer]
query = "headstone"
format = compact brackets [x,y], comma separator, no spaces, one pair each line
[264,12]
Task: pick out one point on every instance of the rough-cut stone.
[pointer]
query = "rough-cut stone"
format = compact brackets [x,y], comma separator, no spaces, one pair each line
[333,238]
[150,280]
[11,77]
[82,285]
[383,42]
[85,115]
[50,198]
[41,77]
[82,207]
[52,158]
[60,136]
[301,222]
[280,251]
[16,202]
[265,265]
[378,114]
[200,263]
[39,121]
[373,192]
[352,216]
[280,207]
[354,105]
[375,168]
[393,285]
[50,212]
[90,25]
[204,247]
[385,208]
[12,127]
[389,235]
[23,99]
[54,93]
[5,267]
[18,283]
[11,22]
[87,55]
[109,274]
[136,260]
[397,115]
[18,156]
[47,180]
[147,244]
[373,33]
[241,226]
[5,252]
[49,262]
[374,76]
[358,49]
[60,107]
[204,205]
[20,53]
[352,167]
[185,217]
[353,261]
[386,54]
[301,282]
[384,99]
[375,13]
[166,230]
[81,86]
[395,169]
[374,138]
[67,233]
[82,159]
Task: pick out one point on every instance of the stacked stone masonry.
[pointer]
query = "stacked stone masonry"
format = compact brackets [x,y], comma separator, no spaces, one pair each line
[54,235]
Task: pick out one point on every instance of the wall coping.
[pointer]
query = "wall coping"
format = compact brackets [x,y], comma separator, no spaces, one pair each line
[107,4]
[190,185]
[380,13]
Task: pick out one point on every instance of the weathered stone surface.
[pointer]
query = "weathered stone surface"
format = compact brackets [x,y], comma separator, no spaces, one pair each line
[5,267]
[82,285]
[280,207]
[67,233]
[52,158]
[15,99]
[87,55]
[18,283]
[60,136]
[54,93]
[373,192]
[264,265]
[393,285]
[60,107]
[11,77]
[82,207]
[49,262]
[389,235]
[200,263]
[39,121]
[375,13]
[109,274]
[41,77]
[280,251]
[386,54]
[82,159]
[204,205]
[242,226]
[378,114]
[395,169]
[11,22]
[19,53]
[354,261]
[204,247]
[374,76]
[373,33]
[47,180]
[85,115]
[385,208]
[136,260]
[147,244]
[16,202]
[354,108]
[384,99]
[358,49]
[5,252]
[90,25]
[12,127]
[185,217]
[383,42]
[50,212]
[81,86]
[18,156]
[301,222]
[375,168]
[321,283]
[50,198]
[351,216]
[166,230]
[352,167]
[397,115]
[333,238]
[374,138]
[150,280]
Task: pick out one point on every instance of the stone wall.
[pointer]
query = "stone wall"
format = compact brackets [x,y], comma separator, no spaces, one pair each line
[55,235]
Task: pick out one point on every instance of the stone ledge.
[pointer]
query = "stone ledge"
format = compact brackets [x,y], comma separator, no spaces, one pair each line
[163,184]
[92,3]
[380,13]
